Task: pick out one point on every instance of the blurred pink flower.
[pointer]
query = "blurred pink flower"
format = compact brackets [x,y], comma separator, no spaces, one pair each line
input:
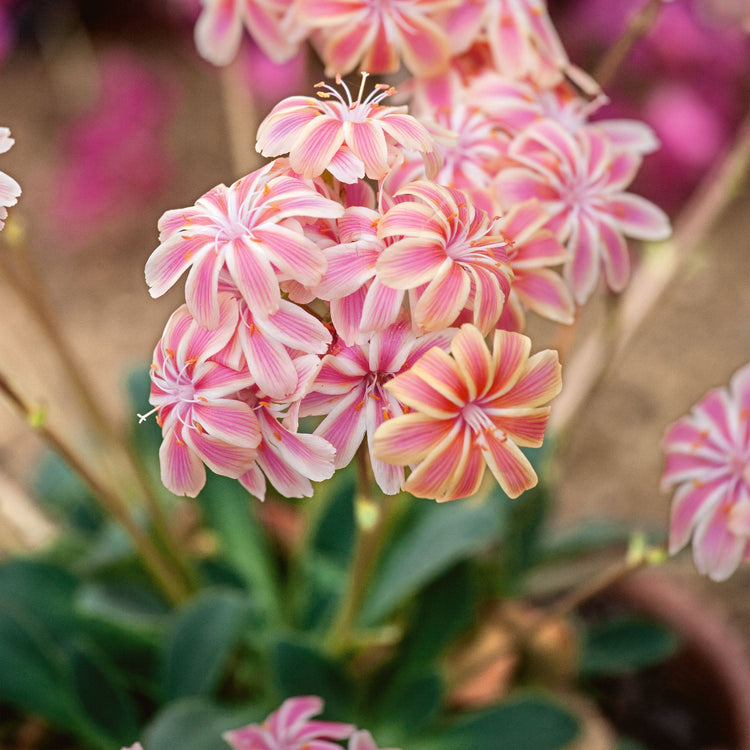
[290,728]
[113,156]
[473,408]
[271,23]
[378,34]
[363,740]
[708,465]
[9,188]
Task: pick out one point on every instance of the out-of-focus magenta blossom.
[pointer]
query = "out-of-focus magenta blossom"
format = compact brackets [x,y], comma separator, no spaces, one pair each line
[9,188]
[271,23]
[349,138]
[708,465]
[252,230]
[113,155]
[291,727]
[349,389]
[201,418]
[379,34]
[448,250]
[580,181]
[280,79]
[473,408]
[687,78]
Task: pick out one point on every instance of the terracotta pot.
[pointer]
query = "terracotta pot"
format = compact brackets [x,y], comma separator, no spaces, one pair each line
[711,673]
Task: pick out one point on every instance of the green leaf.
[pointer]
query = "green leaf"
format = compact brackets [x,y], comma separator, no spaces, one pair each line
[300,670]
[33,670]
[196,724]
[531,722]
[444,609]
[584,538]
[440,536]
[201,641]
[335,531]
[41,589]
[524,522]
[624,645]
[123,610]
[243,545]
[408,706]
[101,693]
[64,496]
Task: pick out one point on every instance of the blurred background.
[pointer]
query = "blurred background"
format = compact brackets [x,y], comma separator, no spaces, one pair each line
[117,119]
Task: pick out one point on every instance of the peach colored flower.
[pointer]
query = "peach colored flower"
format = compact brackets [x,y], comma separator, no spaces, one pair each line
[449,250]
[473,408]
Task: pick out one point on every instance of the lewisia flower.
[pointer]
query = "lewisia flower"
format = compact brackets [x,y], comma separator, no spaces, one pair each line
[708,465]
[202,421]
[360,302]
[290,728]
[452,247]
[271,23]
[290,460]
[349,138]
[378,34]
[580,180]
[9,188]
[532,249]
[522,40]
[252,230]
[350,390]
[473,408]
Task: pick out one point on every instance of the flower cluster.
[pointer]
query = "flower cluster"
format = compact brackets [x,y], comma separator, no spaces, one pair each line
[708,464]
[354,278]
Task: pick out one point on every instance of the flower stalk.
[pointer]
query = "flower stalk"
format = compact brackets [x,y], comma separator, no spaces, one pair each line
[162,571]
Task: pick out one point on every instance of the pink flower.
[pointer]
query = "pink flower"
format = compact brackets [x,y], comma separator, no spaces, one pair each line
[9,188]
[291,728]
[378,34]
[289,459]
[450,246]
[269,344]
[708,464]
[350,390]
[579,180]
[252,230]
[532,249]
[473,408]
[271,23]
[346,137]
[201,418]
[521,37]
[360,302]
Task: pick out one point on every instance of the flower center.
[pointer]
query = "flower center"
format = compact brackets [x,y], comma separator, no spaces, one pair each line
[476,418]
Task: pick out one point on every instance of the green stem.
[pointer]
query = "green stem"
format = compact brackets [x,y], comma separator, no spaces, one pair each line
[372,516]
[27,284]
[162,572]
